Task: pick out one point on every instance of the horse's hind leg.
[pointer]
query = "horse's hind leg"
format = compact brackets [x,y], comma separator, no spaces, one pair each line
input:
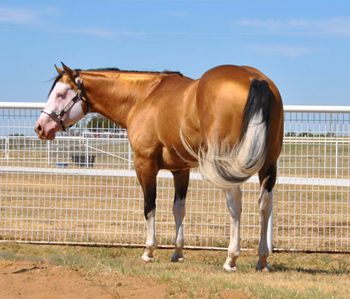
[267,177]
[181,179]
[234,205]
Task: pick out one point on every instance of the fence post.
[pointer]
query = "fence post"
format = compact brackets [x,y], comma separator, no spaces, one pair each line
[48,152]
[129,156]
[87,151]
[336,157]
[7,148]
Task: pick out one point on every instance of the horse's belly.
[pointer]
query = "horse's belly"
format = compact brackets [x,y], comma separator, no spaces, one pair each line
[174,159]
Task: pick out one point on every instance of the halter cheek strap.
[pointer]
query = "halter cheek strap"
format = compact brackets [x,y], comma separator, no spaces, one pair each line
[80,96]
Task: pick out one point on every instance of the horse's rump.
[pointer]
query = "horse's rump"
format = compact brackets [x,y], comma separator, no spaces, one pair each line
[226,164]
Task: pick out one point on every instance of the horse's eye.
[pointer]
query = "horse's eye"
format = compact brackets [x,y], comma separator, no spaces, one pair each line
[60,95]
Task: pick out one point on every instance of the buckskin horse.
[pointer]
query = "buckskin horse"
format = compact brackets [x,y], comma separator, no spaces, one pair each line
[229,123]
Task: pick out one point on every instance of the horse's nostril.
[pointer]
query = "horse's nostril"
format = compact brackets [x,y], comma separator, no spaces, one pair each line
[38,128]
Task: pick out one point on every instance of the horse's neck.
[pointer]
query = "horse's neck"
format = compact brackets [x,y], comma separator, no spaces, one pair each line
[115,94]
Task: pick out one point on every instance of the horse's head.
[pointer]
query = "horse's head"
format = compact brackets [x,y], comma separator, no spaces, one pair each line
[67,103]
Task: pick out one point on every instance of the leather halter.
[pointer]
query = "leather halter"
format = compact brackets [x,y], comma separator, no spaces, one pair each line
[80,96]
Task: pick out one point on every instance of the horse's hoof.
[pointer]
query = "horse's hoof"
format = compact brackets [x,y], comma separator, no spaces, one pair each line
[177,258]
[148,259]
[229,269]
[260,268]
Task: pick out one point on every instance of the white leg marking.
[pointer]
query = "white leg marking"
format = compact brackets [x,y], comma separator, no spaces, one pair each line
[179,214]
[151,243]
[234,205]
[265,206]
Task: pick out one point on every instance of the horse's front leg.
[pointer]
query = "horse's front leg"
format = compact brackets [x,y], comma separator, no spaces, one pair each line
[147,172]
[181,179]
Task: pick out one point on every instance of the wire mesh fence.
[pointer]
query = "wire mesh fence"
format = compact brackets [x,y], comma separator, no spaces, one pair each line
[81,188]
[313,211]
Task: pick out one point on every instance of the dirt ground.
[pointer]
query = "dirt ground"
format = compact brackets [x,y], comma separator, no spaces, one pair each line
[27,280]
[54,272]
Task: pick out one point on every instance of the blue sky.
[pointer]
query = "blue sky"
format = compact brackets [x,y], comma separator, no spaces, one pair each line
[304,46]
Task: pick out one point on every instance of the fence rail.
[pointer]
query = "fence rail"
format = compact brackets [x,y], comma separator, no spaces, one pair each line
[81,188]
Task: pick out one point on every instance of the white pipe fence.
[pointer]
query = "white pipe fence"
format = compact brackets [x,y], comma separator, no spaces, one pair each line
[81,188]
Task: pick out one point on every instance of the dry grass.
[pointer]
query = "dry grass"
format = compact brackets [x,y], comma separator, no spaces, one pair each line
[59,208]
[201,275]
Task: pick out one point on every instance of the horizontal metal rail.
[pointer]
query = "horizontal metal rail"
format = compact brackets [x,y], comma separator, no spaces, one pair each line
[167,175]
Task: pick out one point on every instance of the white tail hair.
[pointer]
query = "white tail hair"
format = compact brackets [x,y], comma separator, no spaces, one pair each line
[226,166]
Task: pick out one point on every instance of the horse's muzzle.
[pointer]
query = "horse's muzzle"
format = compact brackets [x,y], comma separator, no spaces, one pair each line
[42,134]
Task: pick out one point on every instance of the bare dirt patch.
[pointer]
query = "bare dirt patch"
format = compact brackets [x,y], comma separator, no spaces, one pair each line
[20,279]
[28,280]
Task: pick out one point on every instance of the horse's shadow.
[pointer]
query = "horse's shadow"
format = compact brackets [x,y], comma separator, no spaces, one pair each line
[343,268]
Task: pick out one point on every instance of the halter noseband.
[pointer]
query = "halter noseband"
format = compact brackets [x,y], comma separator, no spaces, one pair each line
[80,96]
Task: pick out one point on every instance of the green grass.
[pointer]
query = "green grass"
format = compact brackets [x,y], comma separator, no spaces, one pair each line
[293,275]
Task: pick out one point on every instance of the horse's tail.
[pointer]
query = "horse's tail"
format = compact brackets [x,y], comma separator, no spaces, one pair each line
[226,166]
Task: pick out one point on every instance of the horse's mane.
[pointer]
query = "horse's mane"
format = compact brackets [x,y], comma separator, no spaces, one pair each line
[113,69]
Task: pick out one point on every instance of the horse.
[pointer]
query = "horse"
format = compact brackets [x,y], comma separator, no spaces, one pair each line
[229,122]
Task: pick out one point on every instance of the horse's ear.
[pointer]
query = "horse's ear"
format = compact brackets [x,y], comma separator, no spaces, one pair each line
[59,70]
[68,71]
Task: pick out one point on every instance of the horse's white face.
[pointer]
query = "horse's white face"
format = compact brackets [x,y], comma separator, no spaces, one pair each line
[48,123]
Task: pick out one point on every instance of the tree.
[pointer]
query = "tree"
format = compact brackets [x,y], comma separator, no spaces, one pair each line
[98,123]
[291,134]
[305,134]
